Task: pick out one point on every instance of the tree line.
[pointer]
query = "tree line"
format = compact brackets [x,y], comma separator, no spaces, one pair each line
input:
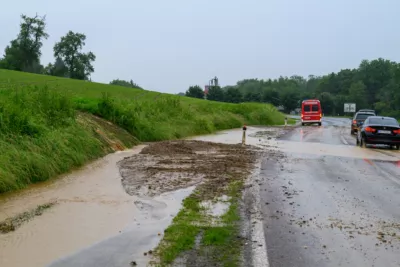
[24,52]
[374,84]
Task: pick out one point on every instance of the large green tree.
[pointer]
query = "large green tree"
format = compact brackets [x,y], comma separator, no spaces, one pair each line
[290,99]
[233,95]
[57,69]
[195,91]
[24,52]
[357,94]
[271,96]
[252,96]
[327,103]
[69,49]
[375,75]
[215,93]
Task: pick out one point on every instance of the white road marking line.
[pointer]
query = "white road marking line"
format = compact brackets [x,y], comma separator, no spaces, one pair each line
[258,242]
[344,140]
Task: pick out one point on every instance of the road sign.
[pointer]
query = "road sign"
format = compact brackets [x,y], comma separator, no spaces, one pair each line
[349,107]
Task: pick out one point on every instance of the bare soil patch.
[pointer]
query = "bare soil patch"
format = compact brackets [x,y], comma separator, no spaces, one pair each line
[113,137]
[171,165]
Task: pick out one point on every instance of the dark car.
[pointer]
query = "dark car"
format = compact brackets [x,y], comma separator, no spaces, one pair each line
[379,130]
[359,119]
[368,111]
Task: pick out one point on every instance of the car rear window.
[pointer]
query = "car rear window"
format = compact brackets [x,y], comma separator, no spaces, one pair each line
[380,121]
[363,116]
[307,108]
[314,107]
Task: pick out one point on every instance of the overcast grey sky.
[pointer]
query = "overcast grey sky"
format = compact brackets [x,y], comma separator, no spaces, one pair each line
[168,45]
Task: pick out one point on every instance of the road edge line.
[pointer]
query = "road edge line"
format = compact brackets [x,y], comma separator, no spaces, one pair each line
[255,225]
[344,141]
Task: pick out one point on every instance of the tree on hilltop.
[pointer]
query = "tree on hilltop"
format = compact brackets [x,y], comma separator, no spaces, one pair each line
[57,69]
[195,91]
[24,52]
[216,93]
[69,50]
[233,95]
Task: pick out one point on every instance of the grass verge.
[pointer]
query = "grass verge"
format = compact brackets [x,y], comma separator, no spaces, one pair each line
[219,243]
[11,224]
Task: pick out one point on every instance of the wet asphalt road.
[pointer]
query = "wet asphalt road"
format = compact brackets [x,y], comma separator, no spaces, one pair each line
[324,210]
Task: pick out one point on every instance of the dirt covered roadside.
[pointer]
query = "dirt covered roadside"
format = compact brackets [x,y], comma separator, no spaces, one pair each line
[206,232]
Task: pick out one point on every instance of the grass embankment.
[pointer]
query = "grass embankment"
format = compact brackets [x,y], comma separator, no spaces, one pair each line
[42,135]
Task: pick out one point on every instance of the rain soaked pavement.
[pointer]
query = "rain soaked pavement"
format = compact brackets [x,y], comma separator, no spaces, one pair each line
[324,201]
[327,202]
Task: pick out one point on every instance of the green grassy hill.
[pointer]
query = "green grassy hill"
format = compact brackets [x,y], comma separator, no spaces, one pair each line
[47,125]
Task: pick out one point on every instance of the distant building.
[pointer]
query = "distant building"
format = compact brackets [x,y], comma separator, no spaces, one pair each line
[205,90]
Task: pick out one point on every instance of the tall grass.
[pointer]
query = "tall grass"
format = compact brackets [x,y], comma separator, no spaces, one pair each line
[40,136]
[170,117]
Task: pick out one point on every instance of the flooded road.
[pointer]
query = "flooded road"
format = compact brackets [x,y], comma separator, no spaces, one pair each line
[88,202]
[326,202]
[137,240]
[91,207]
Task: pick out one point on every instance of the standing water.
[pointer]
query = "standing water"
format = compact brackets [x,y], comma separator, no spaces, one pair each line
[91,205]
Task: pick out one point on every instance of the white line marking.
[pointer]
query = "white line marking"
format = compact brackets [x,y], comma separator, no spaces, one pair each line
[344,140]
[258,243]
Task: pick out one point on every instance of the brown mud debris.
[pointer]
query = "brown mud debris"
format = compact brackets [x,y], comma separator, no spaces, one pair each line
[171,165]
[11,224]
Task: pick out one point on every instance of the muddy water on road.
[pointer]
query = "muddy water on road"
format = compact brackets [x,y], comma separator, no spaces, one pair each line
[88,202]
[304,140]
[325,201]
[139,237]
